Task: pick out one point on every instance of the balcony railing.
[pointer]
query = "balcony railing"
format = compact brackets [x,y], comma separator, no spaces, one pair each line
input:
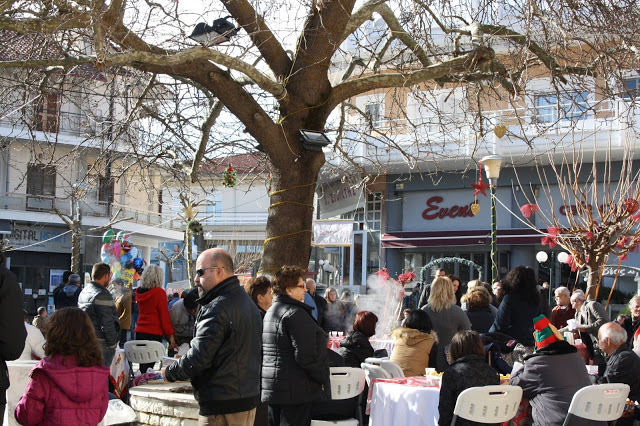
[230,218]
[66,123]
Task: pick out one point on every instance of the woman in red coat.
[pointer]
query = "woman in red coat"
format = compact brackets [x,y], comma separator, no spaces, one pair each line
[153,320]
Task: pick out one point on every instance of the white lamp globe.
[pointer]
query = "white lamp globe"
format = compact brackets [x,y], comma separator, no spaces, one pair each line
[321,262]
[542,256]
[563,257]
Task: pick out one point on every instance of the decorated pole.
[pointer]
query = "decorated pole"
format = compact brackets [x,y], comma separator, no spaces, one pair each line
[492,165]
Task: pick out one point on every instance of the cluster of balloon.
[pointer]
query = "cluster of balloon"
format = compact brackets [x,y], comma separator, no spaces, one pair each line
[125,259]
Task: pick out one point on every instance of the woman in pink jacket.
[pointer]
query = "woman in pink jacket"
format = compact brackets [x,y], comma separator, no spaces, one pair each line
[69,385]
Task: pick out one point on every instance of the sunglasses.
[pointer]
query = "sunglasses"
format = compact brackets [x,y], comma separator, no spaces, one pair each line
[200,272]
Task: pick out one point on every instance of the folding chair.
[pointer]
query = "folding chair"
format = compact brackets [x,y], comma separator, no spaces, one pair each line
[346,382]
[488,404]
[374,372]
[143,351]
[389,366]
[603,403]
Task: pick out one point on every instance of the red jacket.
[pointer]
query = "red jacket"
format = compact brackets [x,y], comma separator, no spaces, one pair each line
[61,393]
[153,308]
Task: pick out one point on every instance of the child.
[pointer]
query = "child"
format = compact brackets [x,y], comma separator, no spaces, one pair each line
[69,385]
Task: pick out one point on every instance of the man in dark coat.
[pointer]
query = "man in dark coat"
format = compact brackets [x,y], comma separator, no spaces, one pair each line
[321,303]
[623,365]
[12,330]
[68,296]
[98,303]
[58,289]
[224,360]
[551,375]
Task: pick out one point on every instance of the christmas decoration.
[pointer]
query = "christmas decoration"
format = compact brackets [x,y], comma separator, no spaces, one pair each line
[529,209]
[500,130]
[229,177]
[475,208]
[479,186]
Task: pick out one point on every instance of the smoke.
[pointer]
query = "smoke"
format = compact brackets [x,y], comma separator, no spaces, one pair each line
[384,299]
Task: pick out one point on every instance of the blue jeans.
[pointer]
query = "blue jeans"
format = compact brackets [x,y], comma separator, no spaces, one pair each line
[107,353]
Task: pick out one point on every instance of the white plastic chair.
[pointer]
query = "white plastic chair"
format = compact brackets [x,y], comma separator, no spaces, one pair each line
[488,404]
[374,372]
[389,366]
[346,382]
[603,403]
[143,351]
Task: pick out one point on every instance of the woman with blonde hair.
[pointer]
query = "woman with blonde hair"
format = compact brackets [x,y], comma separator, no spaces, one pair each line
[334,316]
[153,321]
[447,317]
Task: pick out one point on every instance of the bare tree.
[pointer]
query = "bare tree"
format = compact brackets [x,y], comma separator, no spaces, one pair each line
[286,74]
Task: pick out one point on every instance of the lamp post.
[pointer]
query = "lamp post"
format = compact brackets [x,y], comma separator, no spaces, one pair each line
[542,257]
[492,165]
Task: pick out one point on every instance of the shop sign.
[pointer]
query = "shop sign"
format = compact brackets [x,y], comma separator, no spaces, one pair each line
[40,238]
[339,198]
[612,271]
[435,211]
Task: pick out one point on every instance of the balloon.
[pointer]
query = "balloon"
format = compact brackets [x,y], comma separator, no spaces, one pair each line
[134,252]
[120,236]
[138,262]
[115,248]
[116,267]
[104,257]
[127,274]
[107,237]
[125,258]
[126,243]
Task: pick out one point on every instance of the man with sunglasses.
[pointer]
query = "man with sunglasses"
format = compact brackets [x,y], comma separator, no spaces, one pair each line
[225,356]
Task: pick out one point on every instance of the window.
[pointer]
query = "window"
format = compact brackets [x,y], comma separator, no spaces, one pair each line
[373,113]
[631,88]
[41,180]
[567,106]
[105,190]
[47,113]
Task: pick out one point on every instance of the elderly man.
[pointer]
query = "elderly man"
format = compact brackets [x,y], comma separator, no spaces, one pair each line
[321,302]
[623,366]
[498,292]
[563,310]
[40,320]
[590,316]
[183,318]
[224,360]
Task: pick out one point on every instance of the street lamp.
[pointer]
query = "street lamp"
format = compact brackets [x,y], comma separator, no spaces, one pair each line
[492,165]
[542,257]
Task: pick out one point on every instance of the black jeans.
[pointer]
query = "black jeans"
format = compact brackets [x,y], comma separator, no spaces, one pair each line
[146,336]
[290,415]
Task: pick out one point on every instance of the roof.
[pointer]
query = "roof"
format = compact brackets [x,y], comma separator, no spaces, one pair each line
[252,163]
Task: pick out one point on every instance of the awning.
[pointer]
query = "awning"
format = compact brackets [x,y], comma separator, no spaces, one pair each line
[524,236]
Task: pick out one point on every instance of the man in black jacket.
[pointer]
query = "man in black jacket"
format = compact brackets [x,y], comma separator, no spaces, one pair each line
[12,330]
[98,303]
[225,356]
[623,365]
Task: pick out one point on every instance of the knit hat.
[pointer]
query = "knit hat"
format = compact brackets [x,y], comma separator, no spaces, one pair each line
[545,333]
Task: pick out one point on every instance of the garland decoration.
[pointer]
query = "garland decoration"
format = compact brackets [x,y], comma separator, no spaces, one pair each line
[229,177]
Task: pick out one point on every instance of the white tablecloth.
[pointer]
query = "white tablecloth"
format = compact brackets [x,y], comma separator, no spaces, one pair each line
[394,404]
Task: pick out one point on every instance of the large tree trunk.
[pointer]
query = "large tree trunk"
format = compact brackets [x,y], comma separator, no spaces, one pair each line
[76,240]
[592,280]
[290,220]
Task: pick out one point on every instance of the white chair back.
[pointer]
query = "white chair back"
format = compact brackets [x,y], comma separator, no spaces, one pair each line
[374,372]
[346,382]
[599,402]
[488,404]
[143,351]
[389,366]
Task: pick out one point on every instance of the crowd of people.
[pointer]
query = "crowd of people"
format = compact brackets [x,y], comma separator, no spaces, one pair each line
[258,353]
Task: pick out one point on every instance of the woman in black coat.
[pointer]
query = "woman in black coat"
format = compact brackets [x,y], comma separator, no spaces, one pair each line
[356,346]
[295,368]
[467,369]
[478,311]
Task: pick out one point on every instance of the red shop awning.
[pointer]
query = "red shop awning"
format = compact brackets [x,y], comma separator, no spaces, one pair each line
[524,236]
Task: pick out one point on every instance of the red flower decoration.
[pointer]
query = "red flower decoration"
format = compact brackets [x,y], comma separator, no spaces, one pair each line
[631,205]
[529,209]
[589,235]
[383,273]
[636,217]
[622,241]
[553,230]
[407,277]
[623,257]
[549,240]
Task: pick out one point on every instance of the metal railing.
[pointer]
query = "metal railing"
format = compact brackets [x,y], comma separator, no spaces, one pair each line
[65,123]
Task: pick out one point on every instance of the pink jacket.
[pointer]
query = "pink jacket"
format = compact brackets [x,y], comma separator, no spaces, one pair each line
[61,393]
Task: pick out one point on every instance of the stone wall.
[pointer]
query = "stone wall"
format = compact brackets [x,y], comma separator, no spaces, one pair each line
[165,404]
